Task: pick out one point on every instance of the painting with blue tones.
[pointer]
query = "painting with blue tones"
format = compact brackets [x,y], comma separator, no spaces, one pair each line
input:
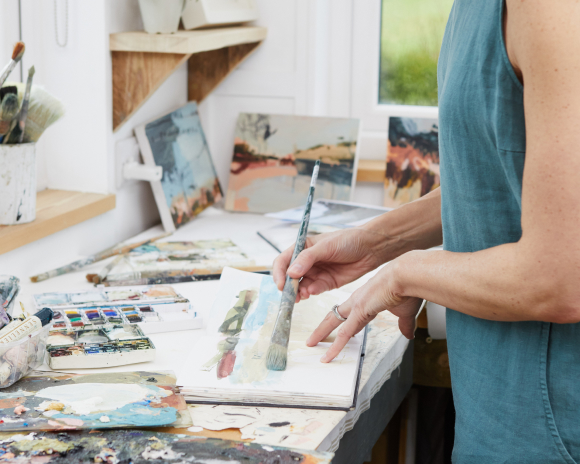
[58,401]
[177,143]
[274,156]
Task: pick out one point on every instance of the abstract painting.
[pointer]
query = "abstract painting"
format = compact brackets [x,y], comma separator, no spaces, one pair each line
[140,447]
[177,143]
[229,365]
[412,159]
[56,401]
[274,156]
[168,259]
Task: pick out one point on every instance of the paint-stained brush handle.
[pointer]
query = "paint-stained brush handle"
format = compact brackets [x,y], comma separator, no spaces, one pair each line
[278,351]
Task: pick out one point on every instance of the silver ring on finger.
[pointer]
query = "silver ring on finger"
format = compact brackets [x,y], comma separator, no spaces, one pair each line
[337,314]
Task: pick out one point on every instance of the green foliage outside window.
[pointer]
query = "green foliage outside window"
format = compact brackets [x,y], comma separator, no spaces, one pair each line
[411,35]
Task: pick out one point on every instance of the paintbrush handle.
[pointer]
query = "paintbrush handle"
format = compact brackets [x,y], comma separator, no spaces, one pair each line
[303,232]
[24,108]
[6,71]
[281,332]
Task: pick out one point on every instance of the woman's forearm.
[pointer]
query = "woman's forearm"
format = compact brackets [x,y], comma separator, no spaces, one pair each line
[505,283]
[414,226]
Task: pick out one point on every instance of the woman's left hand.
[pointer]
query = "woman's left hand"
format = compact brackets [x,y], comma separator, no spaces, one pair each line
[378,294]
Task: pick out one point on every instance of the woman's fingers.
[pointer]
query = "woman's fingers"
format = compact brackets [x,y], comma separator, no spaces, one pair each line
[328,324]
[281,264]
[353,325]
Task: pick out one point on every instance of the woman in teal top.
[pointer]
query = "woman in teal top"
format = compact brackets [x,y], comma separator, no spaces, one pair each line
[508,214]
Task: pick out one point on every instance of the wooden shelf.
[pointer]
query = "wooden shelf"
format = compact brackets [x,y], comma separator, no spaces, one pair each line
[371,171]
[55,210]
[142,62]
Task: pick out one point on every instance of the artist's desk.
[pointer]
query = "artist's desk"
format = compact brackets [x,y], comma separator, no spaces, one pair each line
[386,376]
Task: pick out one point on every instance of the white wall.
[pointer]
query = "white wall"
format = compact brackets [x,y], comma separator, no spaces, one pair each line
[303,67]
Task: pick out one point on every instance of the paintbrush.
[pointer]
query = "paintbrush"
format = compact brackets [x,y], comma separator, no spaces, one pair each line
[98,278]
[17,53]
[9,112]
[17,134]
[43,110]
[6,90]
[115,250]
[278,350]
[175,279]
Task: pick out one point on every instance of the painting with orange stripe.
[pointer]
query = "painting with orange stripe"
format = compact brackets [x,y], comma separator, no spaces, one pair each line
[274,157]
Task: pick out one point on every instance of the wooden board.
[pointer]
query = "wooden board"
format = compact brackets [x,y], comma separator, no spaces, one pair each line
[136,76]
[55,210]
[371,171]
[186,42]
[206,70]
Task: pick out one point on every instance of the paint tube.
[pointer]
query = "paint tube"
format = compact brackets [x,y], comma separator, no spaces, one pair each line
[27,326]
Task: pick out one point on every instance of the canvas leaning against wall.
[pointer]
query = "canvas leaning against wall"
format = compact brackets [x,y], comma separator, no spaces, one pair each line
[412,159]
[274,156]
[189,184]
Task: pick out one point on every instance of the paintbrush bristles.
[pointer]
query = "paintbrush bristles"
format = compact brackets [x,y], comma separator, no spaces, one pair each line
[276,357]
[18,51]
[43,110]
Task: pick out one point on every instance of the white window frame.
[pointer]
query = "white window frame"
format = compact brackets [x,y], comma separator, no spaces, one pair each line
[366,39]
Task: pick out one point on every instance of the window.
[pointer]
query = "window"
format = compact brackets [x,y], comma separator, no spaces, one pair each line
[410,39]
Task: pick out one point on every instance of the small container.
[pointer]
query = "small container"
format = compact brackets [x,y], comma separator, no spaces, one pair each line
[20,357]
[17,183]
[161,16]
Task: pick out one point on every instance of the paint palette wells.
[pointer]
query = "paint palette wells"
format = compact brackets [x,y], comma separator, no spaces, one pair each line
[155,309]
[115,345]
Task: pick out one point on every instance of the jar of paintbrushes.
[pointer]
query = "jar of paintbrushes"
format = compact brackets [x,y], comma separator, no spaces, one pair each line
[26,110]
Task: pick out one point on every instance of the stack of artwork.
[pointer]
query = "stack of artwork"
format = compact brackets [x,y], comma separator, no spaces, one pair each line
[229,366]
[177,143]
[412,159]
[325,216]
[168,261]
[274,157]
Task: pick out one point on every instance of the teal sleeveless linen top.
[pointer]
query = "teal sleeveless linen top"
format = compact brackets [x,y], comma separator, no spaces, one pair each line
[516,385]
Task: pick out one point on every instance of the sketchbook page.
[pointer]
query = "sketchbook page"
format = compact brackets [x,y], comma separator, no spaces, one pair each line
[333,213]
[231,359]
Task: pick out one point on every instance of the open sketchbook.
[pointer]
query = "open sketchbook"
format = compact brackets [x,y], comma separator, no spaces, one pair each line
[228,366]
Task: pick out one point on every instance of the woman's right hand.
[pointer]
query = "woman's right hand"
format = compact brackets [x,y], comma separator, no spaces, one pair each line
[330,261]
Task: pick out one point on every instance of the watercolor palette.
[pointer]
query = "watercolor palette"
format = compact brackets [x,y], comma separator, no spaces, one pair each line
[155,309]
[139,446]
[64,402]
[109,346]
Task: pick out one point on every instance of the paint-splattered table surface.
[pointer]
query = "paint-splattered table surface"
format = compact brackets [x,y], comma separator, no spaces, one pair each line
[306,429]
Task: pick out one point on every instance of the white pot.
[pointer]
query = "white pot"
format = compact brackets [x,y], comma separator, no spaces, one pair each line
[17,183]
[161,16]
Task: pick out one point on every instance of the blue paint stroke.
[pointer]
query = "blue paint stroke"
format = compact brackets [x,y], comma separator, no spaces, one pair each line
[130,414]
[269,294]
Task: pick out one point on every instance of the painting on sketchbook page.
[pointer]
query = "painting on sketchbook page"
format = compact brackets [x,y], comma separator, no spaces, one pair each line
[58,401]
[140,446]
[177,143]
[229,364]
[274,157]
[169,259]
[412,159]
